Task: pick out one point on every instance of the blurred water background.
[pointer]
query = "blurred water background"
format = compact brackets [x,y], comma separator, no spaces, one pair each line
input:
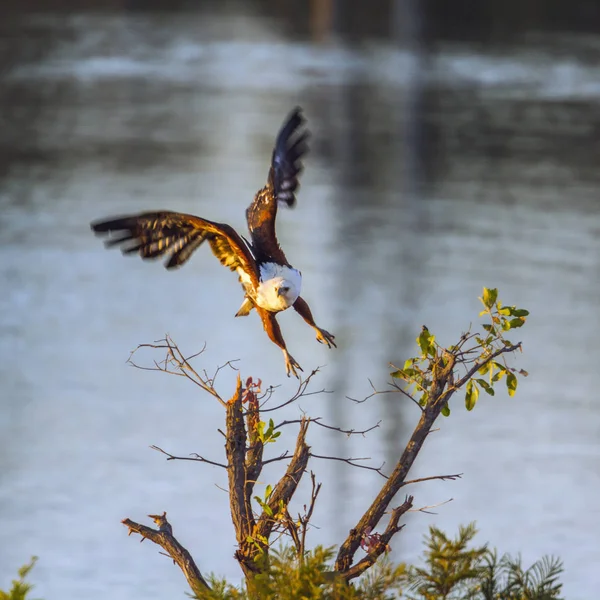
[453,147]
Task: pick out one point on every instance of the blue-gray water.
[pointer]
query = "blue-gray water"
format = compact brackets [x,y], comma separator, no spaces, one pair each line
[430,176]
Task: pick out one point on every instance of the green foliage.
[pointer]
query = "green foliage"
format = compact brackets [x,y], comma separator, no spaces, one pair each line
[451,567]
[505,579]
[269,434]
[473,350]
[289,578]
[20,588]
[455,571]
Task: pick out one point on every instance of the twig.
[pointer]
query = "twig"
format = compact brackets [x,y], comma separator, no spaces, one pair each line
[352,462]
[442,477]
[317,421]
[300,393]
[283,456]
[405,393]
[425,509]
[304,521]
[377,392]
[193,457]
[175,363]
[165,539]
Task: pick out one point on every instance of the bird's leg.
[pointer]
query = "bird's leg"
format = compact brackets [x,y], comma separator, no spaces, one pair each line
[273,330]
[290,364]
[323,337]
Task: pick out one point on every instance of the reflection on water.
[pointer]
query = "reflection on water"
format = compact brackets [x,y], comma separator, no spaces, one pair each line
[429,177]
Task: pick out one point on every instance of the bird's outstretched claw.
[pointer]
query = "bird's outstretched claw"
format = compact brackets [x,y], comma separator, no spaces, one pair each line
[324,337]
[291,365]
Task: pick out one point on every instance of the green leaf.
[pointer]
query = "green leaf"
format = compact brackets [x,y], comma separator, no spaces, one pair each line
[519,312]
[490,295]
[446,410]
[499,375]
[486,386]
[405,374]
[515,323]
[511,383]
[489,328]
[409,373]
[425,341]
[485,369]
[471,395]
[268,491]
[506,311]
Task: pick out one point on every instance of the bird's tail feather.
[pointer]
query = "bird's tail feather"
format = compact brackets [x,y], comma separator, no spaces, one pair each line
[245,308]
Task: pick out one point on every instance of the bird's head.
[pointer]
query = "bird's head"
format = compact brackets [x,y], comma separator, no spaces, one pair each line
[286,289]
[279,287]
[287,292]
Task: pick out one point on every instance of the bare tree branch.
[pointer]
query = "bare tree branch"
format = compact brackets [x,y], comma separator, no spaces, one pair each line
[425,509]
[193,457]
[282,456]
[379,543]
[395,390]
[175,363]
[442,477]
[305,520]
[352,462]
[300,393]
[317,421]
[165,539]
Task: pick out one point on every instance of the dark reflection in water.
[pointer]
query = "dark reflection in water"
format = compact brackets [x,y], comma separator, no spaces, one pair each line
[437,166]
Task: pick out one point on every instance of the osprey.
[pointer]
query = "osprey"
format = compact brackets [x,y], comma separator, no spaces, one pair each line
[270,283]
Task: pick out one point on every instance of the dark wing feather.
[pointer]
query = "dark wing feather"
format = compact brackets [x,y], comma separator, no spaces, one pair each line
[177,235]
[282,184]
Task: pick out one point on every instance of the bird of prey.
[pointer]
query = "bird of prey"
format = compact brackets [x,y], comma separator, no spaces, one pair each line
[269,281]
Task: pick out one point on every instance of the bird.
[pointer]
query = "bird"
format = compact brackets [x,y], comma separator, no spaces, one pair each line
[269,282]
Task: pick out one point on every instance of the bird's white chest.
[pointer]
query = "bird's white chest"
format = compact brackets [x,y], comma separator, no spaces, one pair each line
[279,287]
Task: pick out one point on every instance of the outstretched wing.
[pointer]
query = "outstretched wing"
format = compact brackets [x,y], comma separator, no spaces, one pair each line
[165,233]
[281,186]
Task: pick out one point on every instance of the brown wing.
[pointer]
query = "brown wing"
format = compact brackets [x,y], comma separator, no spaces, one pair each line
[164,233]
[281,186]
